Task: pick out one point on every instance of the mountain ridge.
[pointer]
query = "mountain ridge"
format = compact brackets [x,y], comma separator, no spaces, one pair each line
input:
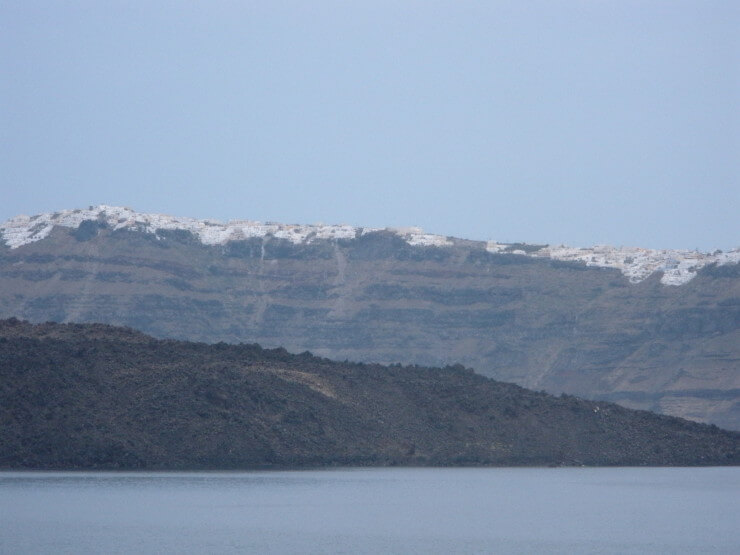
[677,266]
[92,396]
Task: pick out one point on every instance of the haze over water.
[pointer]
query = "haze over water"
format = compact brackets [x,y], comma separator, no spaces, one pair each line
[535,510]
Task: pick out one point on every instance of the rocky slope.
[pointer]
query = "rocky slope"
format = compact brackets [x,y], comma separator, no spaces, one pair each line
[94,396]
[658,330]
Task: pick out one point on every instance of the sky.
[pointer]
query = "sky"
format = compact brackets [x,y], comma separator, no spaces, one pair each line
[562,122]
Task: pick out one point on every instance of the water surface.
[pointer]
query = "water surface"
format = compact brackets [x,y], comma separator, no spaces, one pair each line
[533,510]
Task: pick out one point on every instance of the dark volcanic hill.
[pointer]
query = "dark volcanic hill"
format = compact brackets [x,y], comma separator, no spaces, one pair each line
[666,343]
[94,396]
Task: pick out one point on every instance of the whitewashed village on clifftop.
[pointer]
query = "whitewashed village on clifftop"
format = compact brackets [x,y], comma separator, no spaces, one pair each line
[678,266]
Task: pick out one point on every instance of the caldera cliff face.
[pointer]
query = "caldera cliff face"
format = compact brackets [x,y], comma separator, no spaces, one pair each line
[658,330]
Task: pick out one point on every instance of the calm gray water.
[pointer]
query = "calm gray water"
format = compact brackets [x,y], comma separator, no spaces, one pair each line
[576,510]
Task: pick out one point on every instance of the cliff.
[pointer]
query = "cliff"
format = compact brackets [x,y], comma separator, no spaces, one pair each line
[657,330]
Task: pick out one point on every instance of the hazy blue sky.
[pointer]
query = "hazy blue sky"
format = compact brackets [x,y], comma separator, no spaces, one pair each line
[575,122]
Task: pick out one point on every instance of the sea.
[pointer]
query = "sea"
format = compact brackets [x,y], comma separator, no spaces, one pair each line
[382,510]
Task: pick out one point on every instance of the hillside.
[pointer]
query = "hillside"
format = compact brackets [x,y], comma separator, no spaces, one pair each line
[657,330]
[94,396]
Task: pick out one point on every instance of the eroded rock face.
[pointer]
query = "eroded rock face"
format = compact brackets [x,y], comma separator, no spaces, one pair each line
[395,296]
